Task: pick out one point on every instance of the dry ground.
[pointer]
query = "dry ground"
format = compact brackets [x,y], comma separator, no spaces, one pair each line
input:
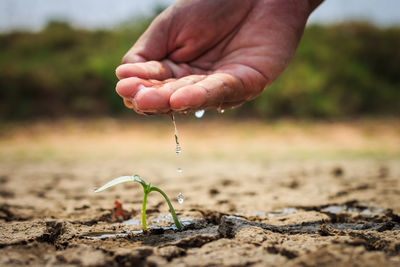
[256,193]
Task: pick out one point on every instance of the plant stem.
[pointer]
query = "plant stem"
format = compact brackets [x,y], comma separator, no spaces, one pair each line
[171,208]
[147,188]
[144,225]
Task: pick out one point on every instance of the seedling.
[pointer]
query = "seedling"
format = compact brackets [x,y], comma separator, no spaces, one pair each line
[147,188]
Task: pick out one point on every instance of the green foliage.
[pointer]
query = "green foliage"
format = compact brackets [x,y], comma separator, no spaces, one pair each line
[339,71]
[61,71]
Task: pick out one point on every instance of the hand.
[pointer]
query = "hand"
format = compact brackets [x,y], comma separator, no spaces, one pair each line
[201,54]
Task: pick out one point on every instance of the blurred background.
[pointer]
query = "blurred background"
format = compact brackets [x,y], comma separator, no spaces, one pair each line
[339,96]
[57,59]
[325,134]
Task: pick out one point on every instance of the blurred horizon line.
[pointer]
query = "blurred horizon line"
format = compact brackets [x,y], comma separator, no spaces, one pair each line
[34,15]
[130,24]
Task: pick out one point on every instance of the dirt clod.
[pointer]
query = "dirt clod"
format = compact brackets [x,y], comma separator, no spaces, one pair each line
[337,171]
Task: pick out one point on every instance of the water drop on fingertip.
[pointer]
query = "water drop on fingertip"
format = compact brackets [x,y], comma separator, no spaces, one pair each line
[199,114]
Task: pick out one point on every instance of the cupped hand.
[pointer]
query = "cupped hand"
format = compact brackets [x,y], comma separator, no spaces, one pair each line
[201,54]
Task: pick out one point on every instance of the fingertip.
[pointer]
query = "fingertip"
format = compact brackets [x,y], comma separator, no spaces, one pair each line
[129,70]
[144,70]
[119,72]
[128,88]
[189,97]
[150,100]
[121,89]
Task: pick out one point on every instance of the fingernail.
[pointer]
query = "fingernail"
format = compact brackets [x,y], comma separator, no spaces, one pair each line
[128,103]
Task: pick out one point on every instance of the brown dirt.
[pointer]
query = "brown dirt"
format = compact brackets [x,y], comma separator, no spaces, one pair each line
[286,193]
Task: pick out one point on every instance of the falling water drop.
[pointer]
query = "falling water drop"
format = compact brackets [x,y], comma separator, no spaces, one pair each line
[181,198]
[178,148]
[199,114]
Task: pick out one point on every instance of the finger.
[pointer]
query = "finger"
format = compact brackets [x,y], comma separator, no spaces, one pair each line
[158,99]
[209,92]
[128,88]
[145,70]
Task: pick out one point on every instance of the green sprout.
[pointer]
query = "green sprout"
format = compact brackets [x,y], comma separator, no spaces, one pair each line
[147,188]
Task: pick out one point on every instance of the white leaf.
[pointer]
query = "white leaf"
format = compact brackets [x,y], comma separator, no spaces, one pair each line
[116,181]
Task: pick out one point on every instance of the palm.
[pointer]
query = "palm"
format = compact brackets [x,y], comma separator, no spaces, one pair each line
[219,55]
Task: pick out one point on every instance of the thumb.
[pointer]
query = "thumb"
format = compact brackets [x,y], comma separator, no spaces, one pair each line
[153,44]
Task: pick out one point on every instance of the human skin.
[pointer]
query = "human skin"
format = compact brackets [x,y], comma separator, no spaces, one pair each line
[201,54]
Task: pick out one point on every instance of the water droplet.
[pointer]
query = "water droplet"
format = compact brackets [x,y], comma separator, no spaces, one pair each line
[179,170]
[220,110]
[199,114]
[181,198]
[138,179]
[178,149]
